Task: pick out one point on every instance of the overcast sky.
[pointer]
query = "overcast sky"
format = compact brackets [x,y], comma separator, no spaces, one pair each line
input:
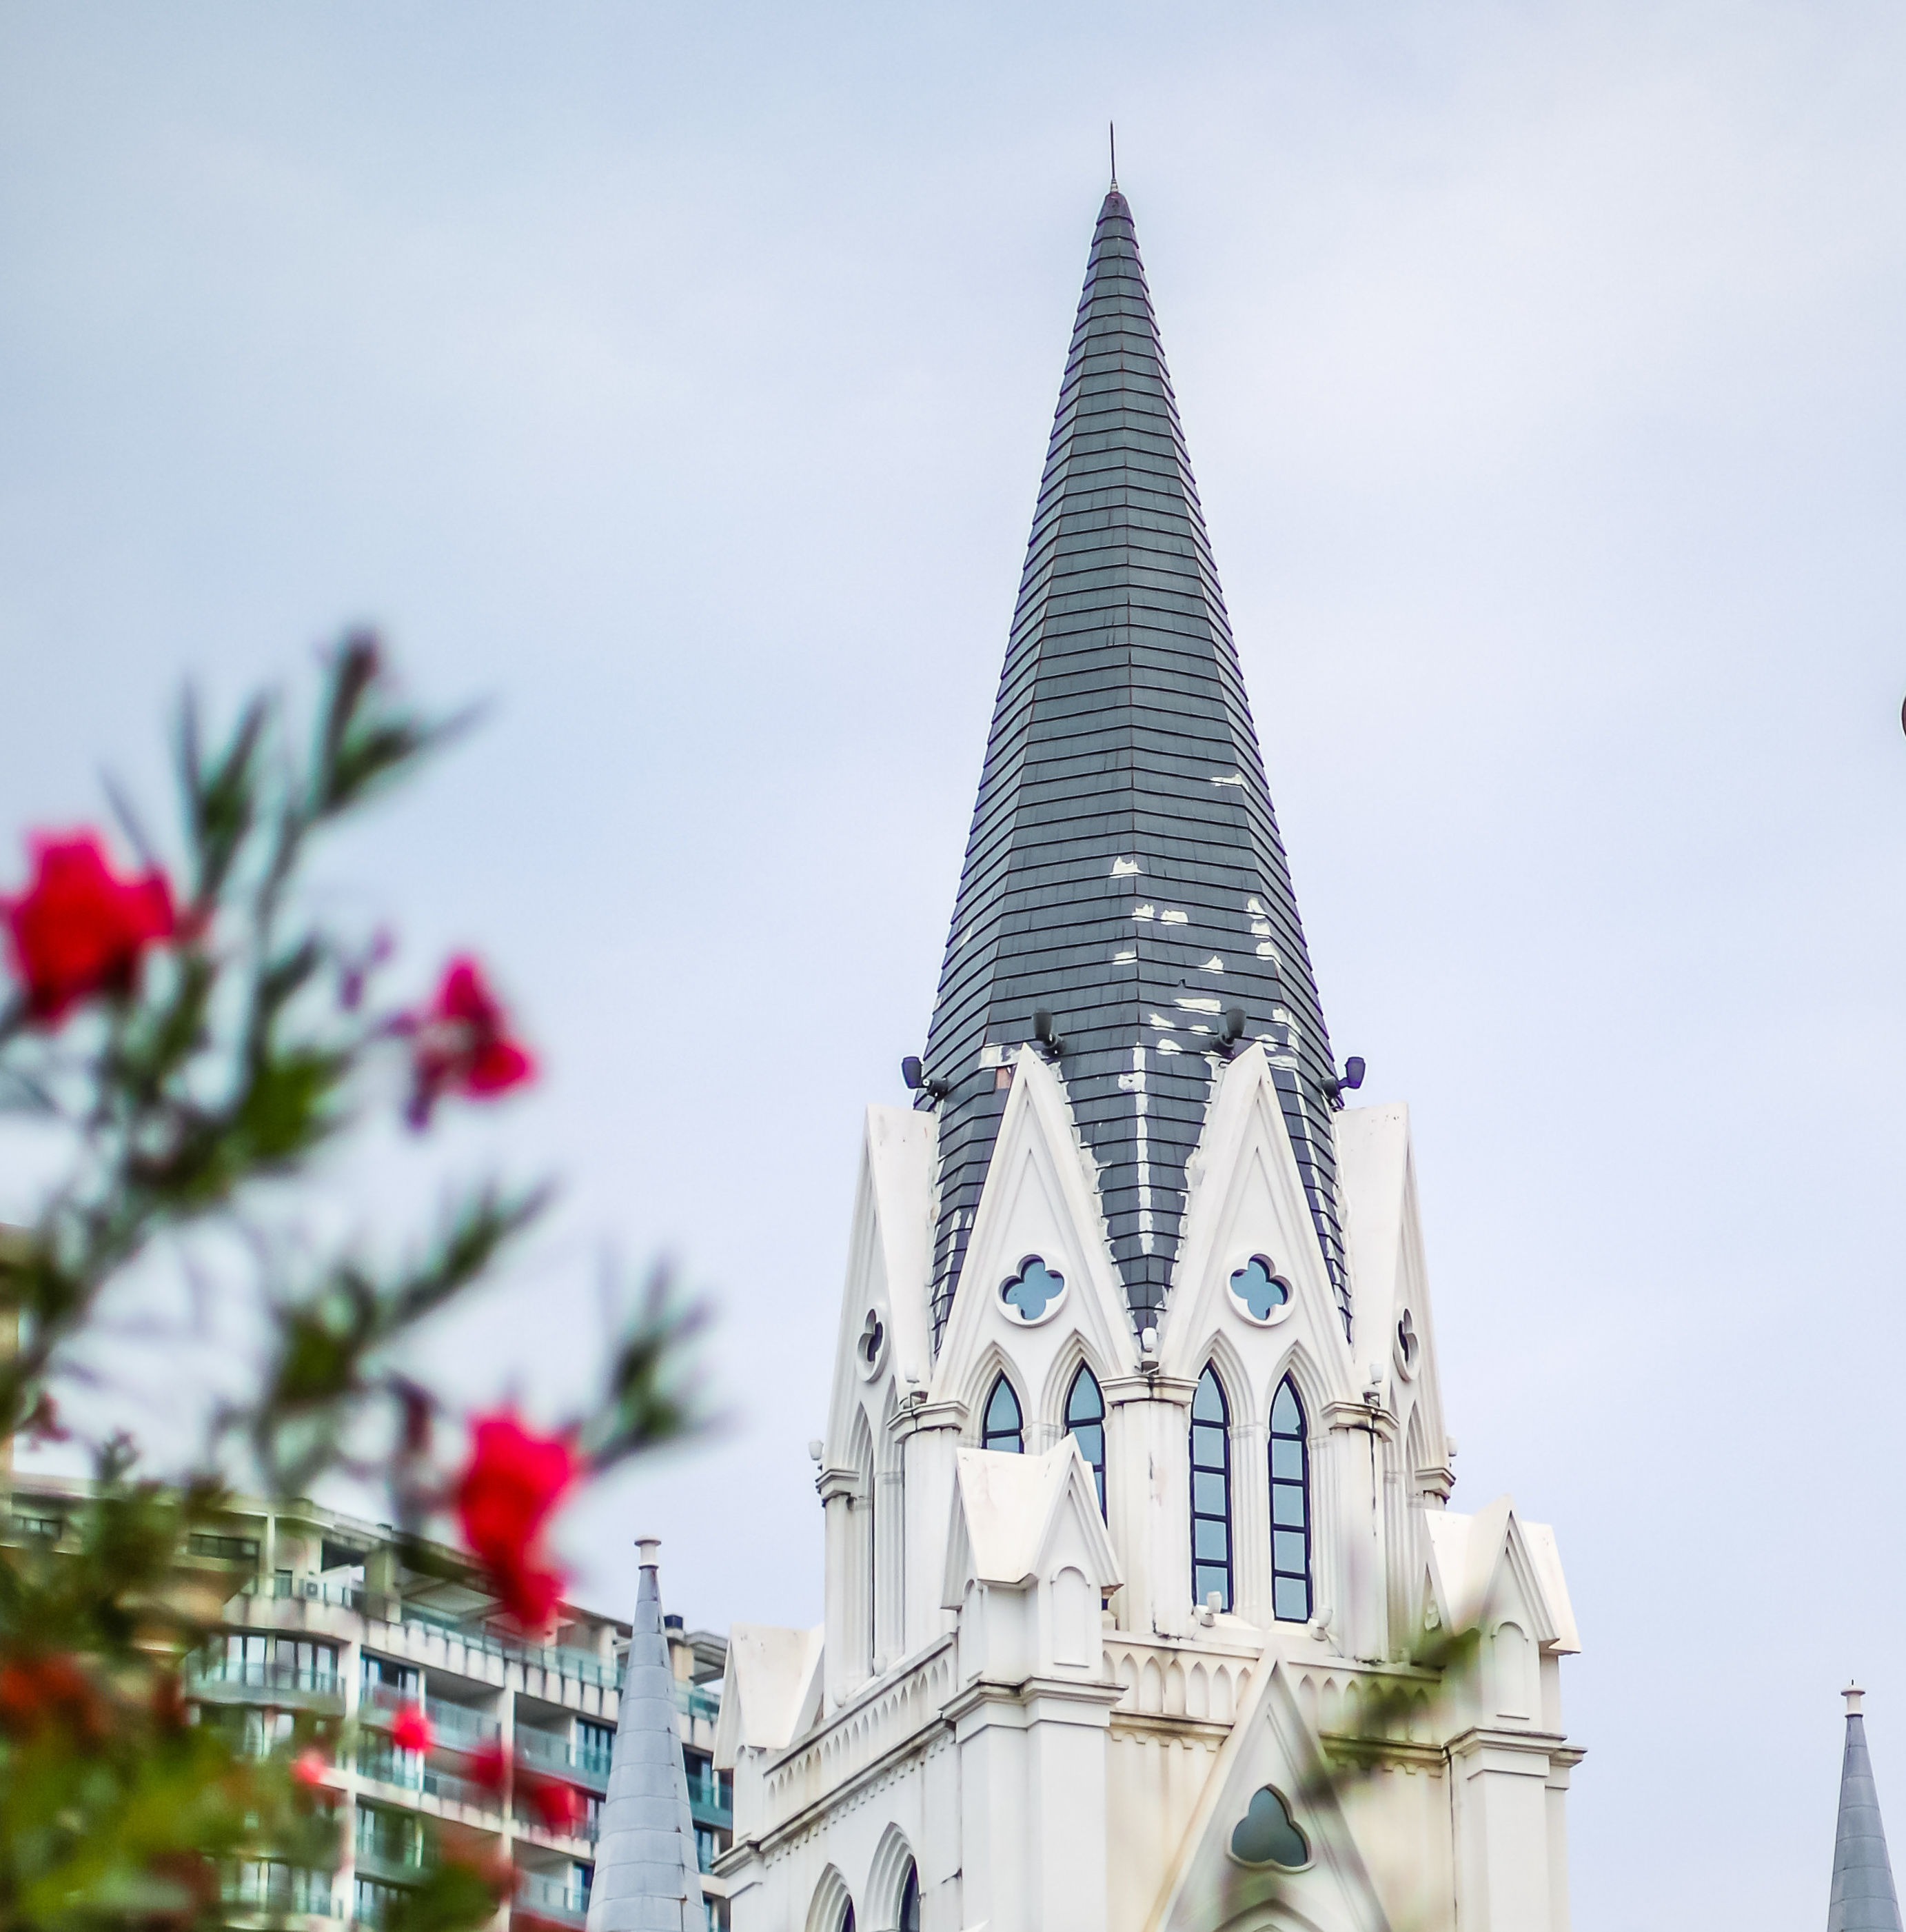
[678,379]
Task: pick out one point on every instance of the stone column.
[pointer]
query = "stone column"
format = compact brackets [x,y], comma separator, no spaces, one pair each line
[1148,1497]
[840,1597]
[931,1432]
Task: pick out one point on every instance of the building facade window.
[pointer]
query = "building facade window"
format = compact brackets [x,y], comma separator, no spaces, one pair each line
[1003,1428]
[1085,1422]
[1290,1508]
[909,1902]
[1211,1492]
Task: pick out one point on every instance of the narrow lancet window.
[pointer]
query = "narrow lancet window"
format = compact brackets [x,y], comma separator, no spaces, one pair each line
[1085,1419]
[1003,1429]
[909,1902]
[1211,1492]
[1290,1508]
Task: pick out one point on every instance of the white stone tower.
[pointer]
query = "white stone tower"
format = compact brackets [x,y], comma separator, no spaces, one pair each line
[1143,1608]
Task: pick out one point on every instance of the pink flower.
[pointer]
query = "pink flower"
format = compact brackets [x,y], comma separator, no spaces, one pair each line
[77,931]
[489,1766]
[308,1769]
[462,1044]
[411,1729]
[513,1482]
[558,1806]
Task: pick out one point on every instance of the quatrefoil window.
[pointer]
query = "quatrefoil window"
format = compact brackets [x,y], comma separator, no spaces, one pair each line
[1267,1835]
[1033,1290]
[1262,1292]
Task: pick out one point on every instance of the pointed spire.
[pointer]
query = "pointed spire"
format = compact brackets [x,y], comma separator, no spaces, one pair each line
[1124,872]
[1863,1898]
[646,1876]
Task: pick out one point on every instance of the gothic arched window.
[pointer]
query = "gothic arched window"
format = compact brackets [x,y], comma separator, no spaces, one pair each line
[1003,1426]
[1211,1492]
[1290,1508]
[909,1902]
[1085,1419]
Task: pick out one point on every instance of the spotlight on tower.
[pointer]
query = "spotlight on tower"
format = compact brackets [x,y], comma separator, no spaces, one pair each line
[1232,1030]
[1346,1082]
[916,1080]
[1050,1043]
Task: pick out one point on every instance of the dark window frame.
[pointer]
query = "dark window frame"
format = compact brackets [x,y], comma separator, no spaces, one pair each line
[1085,1428]
[1209,1574]
[1292,1594]
[1005,1442]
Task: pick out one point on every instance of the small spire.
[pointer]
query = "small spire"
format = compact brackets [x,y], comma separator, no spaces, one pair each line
[1863,1899]
[647,1878]
[1112,129]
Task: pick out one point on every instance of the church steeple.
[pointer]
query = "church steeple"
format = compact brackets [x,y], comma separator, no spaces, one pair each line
[1124,872]
[1863,1899]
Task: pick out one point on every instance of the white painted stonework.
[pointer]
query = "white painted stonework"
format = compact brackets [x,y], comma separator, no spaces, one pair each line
[1019,1700]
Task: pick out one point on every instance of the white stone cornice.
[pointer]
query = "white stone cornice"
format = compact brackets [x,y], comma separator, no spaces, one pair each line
[1031,1700]
[1157,1388]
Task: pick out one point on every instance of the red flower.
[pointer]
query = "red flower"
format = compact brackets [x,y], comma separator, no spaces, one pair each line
[489,1766]
[77,930]
[410,1730]
[308,1769]
[36,1692]
[462,1044]
[559,1806]
[513,1482]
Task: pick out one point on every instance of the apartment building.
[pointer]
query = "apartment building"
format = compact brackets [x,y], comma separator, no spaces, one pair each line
[321,1615]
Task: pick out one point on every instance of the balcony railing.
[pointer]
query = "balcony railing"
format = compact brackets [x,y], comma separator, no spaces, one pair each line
[457,1724]
[698,1700]
[378,1695]
[566,1902]
[711,1800]
[582,1665]
[264,1680]
[265,1885]
[525,1816]
[455,1790]
[303,1589]
[393,1868]
[547,1752]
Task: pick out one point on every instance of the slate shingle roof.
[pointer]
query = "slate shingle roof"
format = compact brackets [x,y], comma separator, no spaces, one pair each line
[1124,869]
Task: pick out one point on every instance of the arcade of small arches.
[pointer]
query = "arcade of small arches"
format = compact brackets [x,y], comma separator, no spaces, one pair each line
[833,1910]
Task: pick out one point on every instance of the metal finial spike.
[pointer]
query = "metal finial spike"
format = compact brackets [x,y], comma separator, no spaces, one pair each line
[1111,128]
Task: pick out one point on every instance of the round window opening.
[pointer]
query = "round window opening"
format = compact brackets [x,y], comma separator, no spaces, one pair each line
[1261,1292]
[1267,1834]
[872,1342]
[1407,1346]
[1034,1292]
